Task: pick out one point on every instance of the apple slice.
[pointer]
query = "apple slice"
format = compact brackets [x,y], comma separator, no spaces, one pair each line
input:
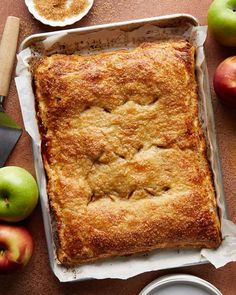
[16,248]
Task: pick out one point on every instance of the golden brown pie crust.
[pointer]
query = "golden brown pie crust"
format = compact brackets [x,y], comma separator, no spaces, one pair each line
[124,152]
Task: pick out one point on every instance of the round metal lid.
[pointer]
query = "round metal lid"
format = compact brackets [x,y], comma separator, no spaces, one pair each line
[180,284]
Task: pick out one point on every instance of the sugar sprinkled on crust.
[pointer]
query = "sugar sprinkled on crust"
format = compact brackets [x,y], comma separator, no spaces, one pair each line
[124,152]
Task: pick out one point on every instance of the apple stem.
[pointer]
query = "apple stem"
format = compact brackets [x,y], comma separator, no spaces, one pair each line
[7,202]
[3,195]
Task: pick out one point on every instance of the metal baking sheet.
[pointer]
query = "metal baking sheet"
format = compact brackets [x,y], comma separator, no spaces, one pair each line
[173,21]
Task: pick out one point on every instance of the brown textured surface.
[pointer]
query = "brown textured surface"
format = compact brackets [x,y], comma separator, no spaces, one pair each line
[131,142]
[37,277]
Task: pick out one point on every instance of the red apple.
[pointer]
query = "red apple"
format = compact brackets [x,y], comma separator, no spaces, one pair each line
[16,247]
[225,81]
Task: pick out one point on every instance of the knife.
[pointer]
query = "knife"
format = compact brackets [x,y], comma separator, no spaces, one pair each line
[10,132]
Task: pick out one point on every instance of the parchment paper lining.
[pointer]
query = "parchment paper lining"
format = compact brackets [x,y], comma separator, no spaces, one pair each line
[107,40]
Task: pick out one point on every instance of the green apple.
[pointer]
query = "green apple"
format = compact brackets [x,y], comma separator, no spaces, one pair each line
[18,193]
[222,21]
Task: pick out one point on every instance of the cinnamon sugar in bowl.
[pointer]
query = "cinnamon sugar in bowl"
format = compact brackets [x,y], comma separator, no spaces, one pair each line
[59,12]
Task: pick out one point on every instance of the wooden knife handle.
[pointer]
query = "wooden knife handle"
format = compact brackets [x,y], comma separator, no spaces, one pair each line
[8,47]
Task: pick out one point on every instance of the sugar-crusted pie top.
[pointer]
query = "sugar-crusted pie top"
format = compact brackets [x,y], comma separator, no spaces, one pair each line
[124,152]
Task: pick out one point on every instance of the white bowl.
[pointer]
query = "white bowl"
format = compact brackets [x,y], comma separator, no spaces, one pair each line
[67,21]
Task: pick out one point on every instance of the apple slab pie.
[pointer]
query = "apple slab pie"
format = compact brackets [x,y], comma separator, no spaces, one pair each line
[124,152]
